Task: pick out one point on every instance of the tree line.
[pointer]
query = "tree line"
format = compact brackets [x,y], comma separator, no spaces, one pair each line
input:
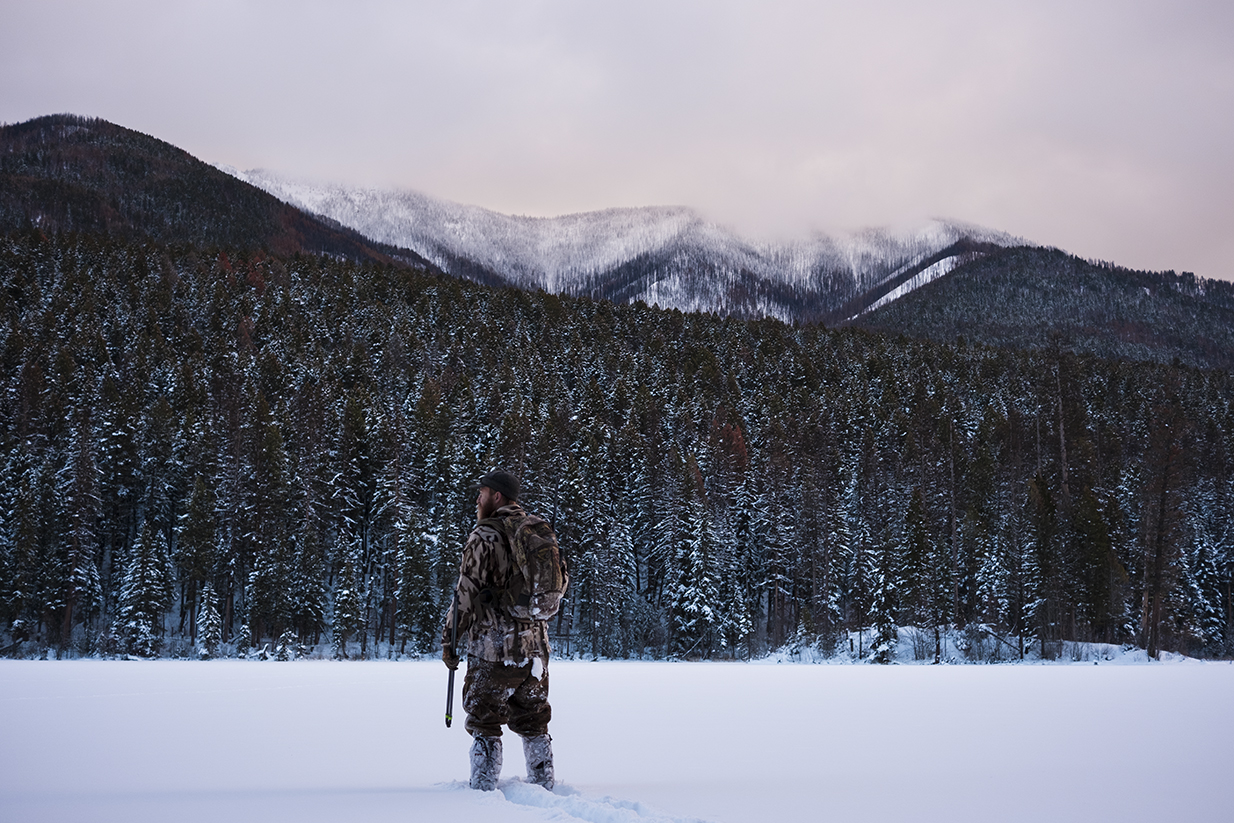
[207,452]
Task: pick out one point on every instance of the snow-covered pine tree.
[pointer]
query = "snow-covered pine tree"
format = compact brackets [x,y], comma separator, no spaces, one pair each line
[146,593]
[1205,626]
[916,597]
[160,471]
[209,624]
[1102,579]
[416,608]
[196,548]
[348,617]
[884,605]
[307,596]
[269,530]
[695,593]
[288,647]
[739,590]
[83,591]
[25,523]
[991,579]
[49,569]
[356,495]
[119,464]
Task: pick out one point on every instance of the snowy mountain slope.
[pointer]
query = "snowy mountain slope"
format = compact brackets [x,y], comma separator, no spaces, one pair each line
[1036,298]
[670,256]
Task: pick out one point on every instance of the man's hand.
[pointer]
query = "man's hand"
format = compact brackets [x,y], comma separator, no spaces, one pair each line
[449,657]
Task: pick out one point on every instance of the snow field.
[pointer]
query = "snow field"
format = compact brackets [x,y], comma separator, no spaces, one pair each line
[635,741]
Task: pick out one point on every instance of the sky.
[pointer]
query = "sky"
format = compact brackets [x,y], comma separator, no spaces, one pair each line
[1103,127]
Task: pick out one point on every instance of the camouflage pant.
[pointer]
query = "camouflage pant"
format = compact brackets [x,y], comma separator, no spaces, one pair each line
[495,694]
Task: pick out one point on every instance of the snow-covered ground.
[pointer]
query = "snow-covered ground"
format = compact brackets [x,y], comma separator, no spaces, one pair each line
[311,741]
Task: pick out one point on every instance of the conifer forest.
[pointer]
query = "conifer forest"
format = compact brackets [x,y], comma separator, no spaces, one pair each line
[212,452]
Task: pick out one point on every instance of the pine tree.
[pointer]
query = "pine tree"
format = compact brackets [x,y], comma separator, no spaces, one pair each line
[160,471]
[348,603]
[83,595]
[307,596]
[1201,574]
[356,495]
[1045,567]
[120,489]
[1103,578]
[695,592]
[269,533]
[209,625]
[27,528]
[1166,468]
[885,605]
[916,571]
[197,547]
[416,608]
[146,592]
[738,590]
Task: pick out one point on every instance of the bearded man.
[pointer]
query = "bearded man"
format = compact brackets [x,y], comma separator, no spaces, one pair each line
[507,657]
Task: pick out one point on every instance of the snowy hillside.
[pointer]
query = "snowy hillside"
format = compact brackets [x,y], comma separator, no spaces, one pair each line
[635,742]
[667,256]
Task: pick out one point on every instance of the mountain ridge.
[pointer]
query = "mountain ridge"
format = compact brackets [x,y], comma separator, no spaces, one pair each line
[669,256]
[64,173]
[1035,298]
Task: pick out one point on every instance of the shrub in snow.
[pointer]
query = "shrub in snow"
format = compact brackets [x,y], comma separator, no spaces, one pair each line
[140,639]
[288,646]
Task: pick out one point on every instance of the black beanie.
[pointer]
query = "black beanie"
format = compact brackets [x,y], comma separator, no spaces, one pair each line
[504,482]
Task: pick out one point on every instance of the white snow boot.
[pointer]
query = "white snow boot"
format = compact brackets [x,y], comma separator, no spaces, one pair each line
[485,763]
[539,753]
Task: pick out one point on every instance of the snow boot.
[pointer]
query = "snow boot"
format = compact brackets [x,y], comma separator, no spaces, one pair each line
[485,763]
[539,753]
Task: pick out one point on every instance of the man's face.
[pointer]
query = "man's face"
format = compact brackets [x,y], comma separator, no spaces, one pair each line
[487,502]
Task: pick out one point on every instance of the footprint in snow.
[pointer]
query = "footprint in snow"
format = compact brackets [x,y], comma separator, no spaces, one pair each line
[572,803]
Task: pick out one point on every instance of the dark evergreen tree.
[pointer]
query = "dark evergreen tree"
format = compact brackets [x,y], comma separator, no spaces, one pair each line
[83,591]
[196,549]
[146,592]
[209,624]
[269,534]
[348,617]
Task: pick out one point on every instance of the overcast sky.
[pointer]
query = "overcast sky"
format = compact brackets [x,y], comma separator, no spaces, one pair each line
[1104,128]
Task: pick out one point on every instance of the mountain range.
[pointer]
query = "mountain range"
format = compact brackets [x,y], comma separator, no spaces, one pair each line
[667,256]
[940,281]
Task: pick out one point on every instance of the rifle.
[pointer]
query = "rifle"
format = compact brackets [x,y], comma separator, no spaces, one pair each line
[453,650]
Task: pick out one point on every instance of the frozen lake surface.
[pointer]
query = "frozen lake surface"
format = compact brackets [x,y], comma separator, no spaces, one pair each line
[313,741]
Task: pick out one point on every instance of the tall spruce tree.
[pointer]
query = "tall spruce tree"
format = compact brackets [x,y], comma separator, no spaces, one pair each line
[146,592]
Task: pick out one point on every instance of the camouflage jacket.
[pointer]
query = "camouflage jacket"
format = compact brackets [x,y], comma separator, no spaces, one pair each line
[487,631]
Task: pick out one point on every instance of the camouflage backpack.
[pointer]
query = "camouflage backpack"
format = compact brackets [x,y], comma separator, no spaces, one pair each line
[539,575]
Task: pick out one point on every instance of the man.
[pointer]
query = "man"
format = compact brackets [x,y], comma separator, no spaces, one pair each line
[507,658]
